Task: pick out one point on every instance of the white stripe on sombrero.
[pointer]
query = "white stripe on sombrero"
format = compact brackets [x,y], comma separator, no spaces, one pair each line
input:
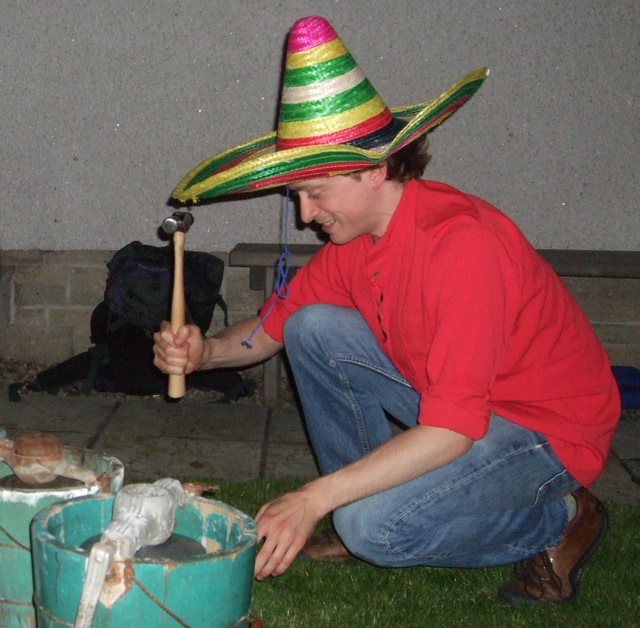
[323,89]
[265,168]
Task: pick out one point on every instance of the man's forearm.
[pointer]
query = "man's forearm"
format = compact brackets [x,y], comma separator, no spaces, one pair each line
[401,459]
[225,349]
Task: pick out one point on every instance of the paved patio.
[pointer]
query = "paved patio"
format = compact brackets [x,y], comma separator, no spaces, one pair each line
[226,442]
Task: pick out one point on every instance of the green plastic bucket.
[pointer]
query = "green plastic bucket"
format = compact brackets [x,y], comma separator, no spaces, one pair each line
[210,589]
[18,506]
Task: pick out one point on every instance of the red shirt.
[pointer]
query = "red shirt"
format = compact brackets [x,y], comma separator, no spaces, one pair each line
[475,320]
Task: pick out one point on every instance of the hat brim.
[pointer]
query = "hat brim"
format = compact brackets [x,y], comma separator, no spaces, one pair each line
[256,165]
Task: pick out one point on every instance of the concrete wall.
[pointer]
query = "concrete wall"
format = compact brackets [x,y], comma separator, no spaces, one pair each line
[106,105]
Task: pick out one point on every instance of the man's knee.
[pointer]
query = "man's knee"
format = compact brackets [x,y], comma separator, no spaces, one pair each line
[360,533]
[377,535]
[302,322]
[317,321]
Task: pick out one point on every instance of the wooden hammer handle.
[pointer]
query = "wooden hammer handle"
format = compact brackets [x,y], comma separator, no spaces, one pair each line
[177,385]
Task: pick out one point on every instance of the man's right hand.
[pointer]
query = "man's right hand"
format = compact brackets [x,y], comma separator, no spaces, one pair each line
[179,353]
[187,350]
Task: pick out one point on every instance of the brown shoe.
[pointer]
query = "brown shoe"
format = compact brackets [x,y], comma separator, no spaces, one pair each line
[554,574]
[325,547]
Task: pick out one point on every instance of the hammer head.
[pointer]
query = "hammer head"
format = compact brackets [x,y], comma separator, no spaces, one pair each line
[178,221]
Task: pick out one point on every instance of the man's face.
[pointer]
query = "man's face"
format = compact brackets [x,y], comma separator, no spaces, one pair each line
[344,206]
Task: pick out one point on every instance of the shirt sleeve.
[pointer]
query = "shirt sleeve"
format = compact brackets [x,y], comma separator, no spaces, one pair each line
[318,281]
[468,306]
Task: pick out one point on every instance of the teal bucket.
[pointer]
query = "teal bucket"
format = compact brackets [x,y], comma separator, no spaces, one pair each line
[211,589]
[18,506]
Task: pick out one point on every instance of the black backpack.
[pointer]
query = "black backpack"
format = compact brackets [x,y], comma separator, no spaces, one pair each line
[137,299]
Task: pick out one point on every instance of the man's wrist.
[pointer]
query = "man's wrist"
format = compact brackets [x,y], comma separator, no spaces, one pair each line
[207,354]
[320,497]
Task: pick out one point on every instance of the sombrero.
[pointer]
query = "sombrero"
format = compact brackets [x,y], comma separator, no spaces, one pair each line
[331,121]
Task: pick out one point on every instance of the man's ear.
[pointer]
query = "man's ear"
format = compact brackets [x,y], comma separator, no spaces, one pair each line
[378,174]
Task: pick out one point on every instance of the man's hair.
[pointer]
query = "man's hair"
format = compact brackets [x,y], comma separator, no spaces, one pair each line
[406,164]
[409,162]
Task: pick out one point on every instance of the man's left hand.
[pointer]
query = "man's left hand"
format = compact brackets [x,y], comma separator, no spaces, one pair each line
[284,525]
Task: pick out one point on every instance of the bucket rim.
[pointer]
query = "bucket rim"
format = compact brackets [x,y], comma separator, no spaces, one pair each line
[39,527]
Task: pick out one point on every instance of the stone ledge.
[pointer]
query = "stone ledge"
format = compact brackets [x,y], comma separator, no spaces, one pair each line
[72,283]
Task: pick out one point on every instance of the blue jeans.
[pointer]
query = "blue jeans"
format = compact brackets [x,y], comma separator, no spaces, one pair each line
[501,502]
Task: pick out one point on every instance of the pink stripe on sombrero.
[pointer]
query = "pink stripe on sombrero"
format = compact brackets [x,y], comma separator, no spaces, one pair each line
[339,137]
[309,32]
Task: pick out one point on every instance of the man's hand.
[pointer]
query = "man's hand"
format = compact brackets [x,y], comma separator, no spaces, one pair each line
[179,353]
[285,524]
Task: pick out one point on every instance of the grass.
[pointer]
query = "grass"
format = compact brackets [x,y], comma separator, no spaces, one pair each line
[359,595]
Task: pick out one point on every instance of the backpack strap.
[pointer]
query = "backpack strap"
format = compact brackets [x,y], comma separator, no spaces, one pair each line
[99,357]
[220,302]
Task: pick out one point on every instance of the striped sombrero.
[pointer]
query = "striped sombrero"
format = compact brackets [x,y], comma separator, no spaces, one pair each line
[331,121]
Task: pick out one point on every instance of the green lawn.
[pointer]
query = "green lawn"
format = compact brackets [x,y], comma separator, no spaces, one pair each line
[358,595]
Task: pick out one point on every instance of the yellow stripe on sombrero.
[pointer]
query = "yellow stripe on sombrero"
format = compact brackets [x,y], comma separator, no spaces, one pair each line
[331,124]
[434,112]
[318,54]
[220,162]
[479,74]
[227,172]
[245,175]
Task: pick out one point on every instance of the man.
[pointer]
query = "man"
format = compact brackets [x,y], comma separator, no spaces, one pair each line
[427,305]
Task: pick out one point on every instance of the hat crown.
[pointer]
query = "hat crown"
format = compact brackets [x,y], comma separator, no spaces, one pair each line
[331,121]
[326,98]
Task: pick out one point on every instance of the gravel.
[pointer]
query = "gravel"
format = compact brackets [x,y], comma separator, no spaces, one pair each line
[16,371]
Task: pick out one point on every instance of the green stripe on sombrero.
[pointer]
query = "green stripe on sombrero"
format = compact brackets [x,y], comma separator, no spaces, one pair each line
[314,109]
[470,84]
[319,72]
[436,111]
[224,160]
[232,171]
[248,175]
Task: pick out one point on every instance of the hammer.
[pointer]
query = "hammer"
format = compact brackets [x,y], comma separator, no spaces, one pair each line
[177,225]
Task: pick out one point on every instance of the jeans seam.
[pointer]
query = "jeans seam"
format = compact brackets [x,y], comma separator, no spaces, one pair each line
[339,359]
[433,495]
[355,408]
[396,377]
[335,360]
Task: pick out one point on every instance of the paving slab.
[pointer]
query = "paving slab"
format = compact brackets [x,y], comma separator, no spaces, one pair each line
[50,413]
[227,442]
[616,485]
[155,439]
[149,458]
[288,454]
[287,426]
[626,442]
[293,461]
[189,420]
[620,480]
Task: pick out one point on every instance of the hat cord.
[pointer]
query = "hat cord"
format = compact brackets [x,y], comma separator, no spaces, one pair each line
[282,271]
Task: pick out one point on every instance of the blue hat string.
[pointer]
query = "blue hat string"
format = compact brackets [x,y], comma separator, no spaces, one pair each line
[282,270]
